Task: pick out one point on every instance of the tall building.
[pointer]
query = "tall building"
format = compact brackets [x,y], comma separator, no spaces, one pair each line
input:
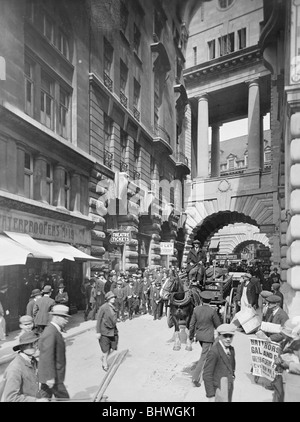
[91,139]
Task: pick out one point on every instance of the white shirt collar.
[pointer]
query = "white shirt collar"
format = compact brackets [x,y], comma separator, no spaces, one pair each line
[56,326]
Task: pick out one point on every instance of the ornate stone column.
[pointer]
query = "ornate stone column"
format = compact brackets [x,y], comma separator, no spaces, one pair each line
[254,122]
[202,137]
[215,150]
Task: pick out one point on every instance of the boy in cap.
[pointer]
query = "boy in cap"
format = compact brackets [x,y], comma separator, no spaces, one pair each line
[21,382]
[26,324]
[52,358]
[277,316]
[106,328]
[220,363]
[203,323]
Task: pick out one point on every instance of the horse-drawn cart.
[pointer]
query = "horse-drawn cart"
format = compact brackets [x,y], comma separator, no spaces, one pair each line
[224,286]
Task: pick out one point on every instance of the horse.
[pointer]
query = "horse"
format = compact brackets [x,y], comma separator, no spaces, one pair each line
[182,298]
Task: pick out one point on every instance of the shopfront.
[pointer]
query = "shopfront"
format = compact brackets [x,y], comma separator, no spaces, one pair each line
[36,251]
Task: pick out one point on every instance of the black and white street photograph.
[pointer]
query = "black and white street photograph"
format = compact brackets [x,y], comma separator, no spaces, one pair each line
[149,203]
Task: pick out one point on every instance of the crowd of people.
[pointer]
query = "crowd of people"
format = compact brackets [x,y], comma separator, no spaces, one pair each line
[135,293]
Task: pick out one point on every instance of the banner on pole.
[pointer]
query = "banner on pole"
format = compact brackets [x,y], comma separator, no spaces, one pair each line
[263,353]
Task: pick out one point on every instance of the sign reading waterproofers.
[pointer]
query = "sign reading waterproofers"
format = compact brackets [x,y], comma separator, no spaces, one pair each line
[120,238]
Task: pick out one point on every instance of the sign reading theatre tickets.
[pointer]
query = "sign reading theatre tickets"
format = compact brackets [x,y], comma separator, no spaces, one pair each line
[166,248]
[263,353]
[120,237]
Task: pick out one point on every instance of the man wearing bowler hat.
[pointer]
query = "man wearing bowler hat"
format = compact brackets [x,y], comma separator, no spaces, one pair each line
[203,323]
[52,358]
[220,363]
[195,257]
[20,377]
[35,294]
[41,309]
[106,328]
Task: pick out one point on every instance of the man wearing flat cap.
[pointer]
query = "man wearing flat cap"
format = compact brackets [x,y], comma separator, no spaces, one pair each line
[275,290]
[220,363]
[106,328]
[277,316]
[247,292]
[195,258]
[52,358]
[203,323]
[20,377]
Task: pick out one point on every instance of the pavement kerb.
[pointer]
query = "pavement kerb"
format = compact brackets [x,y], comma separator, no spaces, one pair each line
[10,357]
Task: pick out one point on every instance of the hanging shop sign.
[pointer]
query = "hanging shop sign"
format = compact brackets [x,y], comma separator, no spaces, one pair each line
[120,237]
[166,248]
[228,256]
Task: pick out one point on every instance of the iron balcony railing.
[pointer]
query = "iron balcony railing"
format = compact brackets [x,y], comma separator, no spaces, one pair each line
[108,157]
[123,99]
[108,82]
[136,114]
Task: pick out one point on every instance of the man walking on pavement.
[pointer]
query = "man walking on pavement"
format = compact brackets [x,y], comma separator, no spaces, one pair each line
[52,358]
[41,309]
[203,323]
[35,294]
[106,328]
[220,363]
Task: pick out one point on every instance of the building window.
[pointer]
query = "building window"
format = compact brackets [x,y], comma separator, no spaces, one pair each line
[136,153]
[63,44]
[67,190]
[211,50]
[123,83]
[224,4]
[107,131]
[136,39]
[108,59]
[29,12]
[136,99]
[226,44]
[47,97]
[123,17]
[230,163]
[29,86]
[48,28]
[242,38]
[267,155]
[63,113]
[246,158]
[49,183]
[28,175]
[123,142]
[195,55]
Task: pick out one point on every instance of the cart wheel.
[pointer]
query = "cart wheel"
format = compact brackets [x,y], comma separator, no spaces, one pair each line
[256,378]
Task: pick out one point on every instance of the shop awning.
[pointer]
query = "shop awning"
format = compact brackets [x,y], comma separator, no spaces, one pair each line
[68,250]
[13,253]
[37,249]
[214,244]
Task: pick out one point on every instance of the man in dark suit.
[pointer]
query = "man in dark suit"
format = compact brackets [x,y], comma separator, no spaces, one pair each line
[52,358]
[220,363]
[35,294]
[203,323]
[195,257]
[41,309]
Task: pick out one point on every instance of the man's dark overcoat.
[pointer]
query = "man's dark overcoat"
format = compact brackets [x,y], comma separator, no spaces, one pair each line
[52,359]
[217,366]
